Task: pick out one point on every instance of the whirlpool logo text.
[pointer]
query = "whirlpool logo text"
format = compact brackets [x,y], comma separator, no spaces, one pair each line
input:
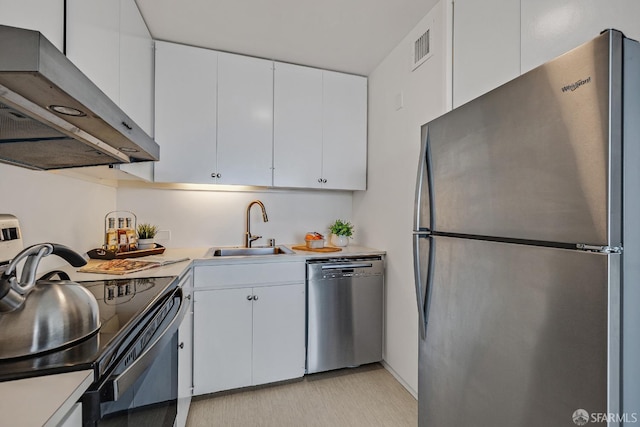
[576,85]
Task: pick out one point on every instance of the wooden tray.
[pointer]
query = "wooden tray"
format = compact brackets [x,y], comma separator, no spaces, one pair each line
[325,249]
[105,254]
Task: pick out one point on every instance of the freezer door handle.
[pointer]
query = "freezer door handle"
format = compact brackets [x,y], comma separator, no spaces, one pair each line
[422,294]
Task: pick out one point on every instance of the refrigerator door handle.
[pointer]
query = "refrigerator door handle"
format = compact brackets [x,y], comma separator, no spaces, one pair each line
[422,295]
[425,178]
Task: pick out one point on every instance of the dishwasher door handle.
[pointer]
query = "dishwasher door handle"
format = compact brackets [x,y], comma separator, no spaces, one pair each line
[343,266]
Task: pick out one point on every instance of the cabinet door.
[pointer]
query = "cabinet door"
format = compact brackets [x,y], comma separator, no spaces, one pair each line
[551,28]
[245,120]
[222,339]
[48,19]
[344,129]
[278,333]
[185,355]
[297,126]
[93,42]
[136,66]
[185,109]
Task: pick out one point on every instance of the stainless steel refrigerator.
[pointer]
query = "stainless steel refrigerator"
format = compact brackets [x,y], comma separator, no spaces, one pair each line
[527,248]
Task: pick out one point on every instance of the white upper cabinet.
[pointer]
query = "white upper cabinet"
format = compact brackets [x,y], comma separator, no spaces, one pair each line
[498,40]
[551,28]
[214,115]
[223,118]
[93,42]
[110,43]
[344,131]
[320,129]
[46,16]
[245,120]
[185,123]
[297,126]
[136,66]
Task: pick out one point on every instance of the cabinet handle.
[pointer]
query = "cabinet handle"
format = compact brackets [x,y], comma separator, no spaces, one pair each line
[249,297]
[320,180]
[216,175]
[127,125]
[324,181]
[255,297]
[188,296]
[181,345]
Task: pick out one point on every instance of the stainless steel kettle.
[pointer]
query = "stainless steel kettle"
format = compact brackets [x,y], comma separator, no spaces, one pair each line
[42,315]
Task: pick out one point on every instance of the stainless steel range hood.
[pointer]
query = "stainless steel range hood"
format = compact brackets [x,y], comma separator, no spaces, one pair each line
[53,117]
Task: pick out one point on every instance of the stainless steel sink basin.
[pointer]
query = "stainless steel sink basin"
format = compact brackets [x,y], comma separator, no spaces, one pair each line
[277,250]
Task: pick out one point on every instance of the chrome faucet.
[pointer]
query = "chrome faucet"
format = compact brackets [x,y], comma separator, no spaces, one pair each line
[248,237]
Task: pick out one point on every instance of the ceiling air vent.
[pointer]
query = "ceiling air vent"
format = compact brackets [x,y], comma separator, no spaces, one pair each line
[421,49]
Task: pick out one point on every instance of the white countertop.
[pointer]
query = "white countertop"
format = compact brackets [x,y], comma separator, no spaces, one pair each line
[45,400]
[42,401]
[202,256]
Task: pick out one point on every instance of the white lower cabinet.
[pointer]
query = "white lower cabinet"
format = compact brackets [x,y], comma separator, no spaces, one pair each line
[185,354]
[248,335]
[278,333]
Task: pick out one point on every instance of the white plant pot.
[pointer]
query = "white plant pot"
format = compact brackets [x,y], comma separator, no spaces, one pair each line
[340,241]
[146,244]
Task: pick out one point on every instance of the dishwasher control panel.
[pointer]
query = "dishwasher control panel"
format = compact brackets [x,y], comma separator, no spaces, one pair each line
[337,268]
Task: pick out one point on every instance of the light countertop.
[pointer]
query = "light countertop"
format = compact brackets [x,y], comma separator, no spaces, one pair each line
[45,400]
[42,401]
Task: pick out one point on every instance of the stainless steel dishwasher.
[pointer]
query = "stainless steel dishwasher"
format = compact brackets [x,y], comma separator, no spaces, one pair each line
[344,312]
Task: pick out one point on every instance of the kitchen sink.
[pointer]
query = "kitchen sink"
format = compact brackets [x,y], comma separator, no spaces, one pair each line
[271,250]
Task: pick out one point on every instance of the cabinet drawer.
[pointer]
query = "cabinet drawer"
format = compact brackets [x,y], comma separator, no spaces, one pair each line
[226,275]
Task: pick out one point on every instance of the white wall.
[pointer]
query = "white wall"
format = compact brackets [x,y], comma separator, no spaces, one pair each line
[217,218]
[484,55]
[385,210]
[55,208]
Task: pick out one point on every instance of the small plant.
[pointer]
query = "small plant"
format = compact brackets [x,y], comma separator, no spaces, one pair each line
[147,231]
[341,228]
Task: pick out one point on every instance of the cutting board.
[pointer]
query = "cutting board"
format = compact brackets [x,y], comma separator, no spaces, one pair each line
[325,249]
[124,266]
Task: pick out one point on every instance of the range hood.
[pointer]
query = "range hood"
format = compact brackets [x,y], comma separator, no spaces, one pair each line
[53,117]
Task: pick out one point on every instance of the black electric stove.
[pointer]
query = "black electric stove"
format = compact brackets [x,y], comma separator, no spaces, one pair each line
[126,307]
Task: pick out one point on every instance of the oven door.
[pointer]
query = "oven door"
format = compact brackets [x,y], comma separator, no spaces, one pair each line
[142,389]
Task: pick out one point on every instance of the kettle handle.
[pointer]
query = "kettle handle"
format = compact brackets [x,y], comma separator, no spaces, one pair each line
[69,255]
[33,254]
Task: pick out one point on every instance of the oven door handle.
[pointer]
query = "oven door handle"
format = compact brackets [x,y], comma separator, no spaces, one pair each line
[129,376]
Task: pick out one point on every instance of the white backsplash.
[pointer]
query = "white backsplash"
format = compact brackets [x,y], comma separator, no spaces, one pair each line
[217,218]
[55,208]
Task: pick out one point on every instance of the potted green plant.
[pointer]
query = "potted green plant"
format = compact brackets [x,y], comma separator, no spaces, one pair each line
[341,231]
[146,234]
